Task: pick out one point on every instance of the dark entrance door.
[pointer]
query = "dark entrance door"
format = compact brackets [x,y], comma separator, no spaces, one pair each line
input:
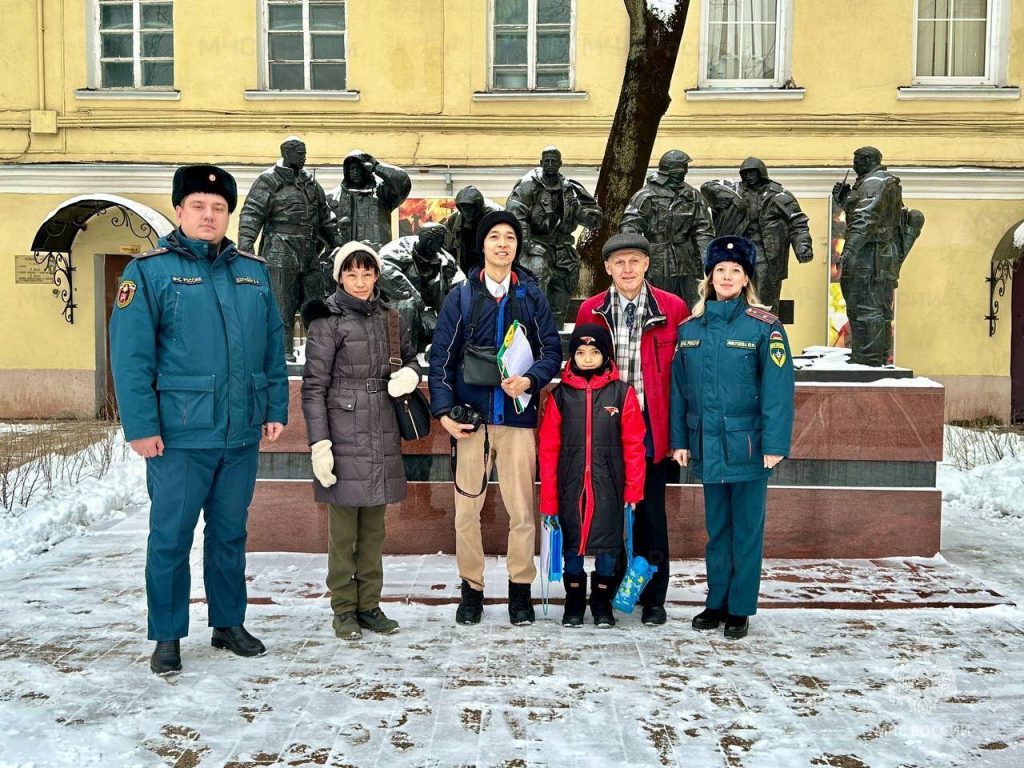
[113,266]
[1017,346]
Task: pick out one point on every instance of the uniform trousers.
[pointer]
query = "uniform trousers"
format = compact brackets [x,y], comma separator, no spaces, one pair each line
[355,567]
[220,482]
[734,514]
[513,451]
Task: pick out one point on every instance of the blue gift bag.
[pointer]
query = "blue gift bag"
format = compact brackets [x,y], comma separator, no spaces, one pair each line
[638,572]
[550,558]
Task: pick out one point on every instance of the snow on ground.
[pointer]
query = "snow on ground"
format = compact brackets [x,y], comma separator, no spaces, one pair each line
[71,510]
[918,687]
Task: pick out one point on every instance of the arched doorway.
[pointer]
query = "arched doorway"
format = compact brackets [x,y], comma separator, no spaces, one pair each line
[130,228]
[1005,263]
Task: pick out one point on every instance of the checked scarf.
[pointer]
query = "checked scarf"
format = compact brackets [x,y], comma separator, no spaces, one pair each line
[626,338]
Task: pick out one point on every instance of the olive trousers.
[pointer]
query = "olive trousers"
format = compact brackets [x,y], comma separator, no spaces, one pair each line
[355,568]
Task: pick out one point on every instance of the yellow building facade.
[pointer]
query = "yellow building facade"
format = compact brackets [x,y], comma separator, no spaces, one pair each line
[101,100]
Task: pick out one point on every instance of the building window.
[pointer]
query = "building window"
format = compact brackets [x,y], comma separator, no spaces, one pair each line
[532,45]
[745,44]
[305,45]
[135,43]
[955,42]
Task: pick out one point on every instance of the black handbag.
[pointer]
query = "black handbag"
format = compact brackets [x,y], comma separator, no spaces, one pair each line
[480,366]
[412,410]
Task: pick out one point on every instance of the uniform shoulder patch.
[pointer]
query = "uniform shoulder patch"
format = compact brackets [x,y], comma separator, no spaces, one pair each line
[125,293]
[252,256]
[151,252]
[762,314]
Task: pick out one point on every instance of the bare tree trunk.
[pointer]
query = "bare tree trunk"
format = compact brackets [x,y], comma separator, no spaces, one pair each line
[643,100]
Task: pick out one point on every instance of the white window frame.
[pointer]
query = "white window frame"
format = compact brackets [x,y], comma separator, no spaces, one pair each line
[263,49]
[94,51]
[783,49]
[531,52]
[997,27]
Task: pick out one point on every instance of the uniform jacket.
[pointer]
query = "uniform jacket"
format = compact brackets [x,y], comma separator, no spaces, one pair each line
[524,302]
[676,224]
[591,459]
[196,346]
[779,223]
[291,209]
[732,391]
[345,399]
[665,311]
[873,210]
[365,214]
[550,215]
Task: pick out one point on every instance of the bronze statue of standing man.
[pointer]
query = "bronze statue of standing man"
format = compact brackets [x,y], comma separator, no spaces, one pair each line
[764,212]
[671,215]
[549,208]
[369,191]
[879,234]
[289,206]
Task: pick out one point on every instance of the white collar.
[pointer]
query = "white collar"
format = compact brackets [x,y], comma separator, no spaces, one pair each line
[492,286]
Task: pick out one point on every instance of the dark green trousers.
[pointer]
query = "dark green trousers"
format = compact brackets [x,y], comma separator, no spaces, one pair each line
[355,569]
[734,516]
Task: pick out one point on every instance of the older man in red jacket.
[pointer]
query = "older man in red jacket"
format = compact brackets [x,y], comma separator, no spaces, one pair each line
[643,322]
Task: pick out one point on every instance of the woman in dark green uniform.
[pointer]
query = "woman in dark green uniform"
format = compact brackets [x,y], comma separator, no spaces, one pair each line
[732,415]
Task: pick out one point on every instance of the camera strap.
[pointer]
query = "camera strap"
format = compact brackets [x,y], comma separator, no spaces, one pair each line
[453,462]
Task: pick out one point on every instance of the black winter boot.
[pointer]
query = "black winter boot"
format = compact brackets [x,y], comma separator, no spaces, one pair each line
[166,657]
[575,599]
[736,627]
[709,618]
[601,593]
[472,606]
[237,640]
[520,604]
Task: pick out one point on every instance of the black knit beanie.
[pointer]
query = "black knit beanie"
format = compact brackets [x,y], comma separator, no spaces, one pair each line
[490,220]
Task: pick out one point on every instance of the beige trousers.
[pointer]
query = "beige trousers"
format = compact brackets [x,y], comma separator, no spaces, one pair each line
[514,453]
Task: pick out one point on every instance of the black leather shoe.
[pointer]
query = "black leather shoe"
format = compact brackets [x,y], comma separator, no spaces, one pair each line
[472,606]
[237,640]
[520,604]
[709,618]
[166,658]
[736,626]
[653,615]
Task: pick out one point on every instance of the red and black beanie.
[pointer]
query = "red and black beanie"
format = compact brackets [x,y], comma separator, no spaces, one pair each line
[593,335]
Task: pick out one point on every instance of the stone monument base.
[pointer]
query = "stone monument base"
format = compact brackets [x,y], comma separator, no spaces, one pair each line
[860,483]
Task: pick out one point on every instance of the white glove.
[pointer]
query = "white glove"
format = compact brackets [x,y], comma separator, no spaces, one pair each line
[323,463]
[403,381]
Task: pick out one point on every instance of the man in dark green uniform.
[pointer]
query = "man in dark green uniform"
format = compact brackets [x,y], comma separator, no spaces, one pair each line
[199,371]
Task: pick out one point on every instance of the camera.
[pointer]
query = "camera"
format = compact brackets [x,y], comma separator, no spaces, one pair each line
[465,415]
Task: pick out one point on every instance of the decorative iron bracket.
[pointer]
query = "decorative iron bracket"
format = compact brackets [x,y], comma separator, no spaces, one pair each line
[59,265]
[999,275]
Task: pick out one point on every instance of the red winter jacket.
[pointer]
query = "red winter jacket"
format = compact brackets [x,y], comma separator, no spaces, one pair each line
[665,311]
[591,459]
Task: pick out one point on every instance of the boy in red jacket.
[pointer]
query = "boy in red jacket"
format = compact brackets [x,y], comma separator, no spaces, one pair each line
[591,465]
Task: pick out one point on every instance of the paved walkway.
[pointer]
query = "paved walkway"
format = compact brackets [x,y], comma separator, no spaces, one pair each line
[923,687]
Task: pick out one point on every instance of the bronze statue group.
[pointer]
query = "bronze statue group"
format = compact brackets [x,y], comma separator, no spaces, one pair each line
[681,361]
